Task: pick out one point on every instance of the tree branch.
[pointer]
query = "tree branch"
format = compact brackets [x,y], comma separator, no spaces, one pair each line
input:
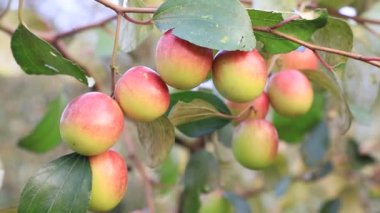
[6,9]
[272,30]
[83,28]
[369,60]
[140,169]
[355,18]
[60,47]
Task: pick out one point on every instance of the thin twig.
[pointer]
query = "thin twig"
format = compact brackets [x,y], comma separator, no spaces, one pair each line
[83,28]
[323,62]
[140,169]
[119,9]
[358,19]
[114,68]
[286,21]
[368,60]
[6,30]
[61,48]
[135,21]
[6,9]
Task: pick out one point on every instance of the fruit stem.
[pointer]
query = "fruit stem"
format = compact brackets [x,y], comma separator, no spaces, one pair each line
[114,68]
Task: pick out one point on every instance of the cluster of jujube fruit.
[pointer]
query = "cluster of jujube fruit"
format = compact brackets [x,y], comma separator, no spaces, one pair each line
[93,122]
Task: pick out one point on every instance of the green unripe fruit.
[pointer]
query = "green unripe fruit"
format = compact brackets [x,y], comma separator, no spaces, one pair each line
[255,143]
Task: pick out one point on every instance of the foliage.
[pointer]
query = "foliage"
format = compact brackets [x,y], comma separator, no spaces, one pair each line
[188,150]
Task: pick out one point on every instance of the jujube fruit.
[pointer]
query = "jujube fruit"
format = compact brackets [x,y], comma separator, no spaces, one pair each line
[142,94]
[239,76]
[300,59]
[255,143]
[91,123]
[109,180]
[290,93]
[260,107]
[181,64]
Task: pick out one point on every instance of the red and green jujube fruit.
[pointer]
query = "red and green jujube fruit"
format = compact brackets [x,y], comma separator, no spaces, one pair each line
[91,123]
[109,180]
[255,143]
[181,64]
[239,76]
[290,93]
[260,107]
[142,94]
[300,59]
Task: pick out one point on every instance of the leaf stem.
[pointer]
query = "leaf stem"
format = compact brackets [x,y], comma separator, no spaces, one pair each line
[114,68]
[20,11]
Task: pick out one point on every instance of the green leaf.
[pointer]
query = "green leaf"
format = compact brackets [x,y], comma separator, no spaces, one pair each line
[216,24]
[131,35]
[195,110]
[357,159]
[336,34]
[293,129]
[64,185]
[302,29]
[331,206]
[36,56]
[314,149]
[329,81]
[204,126]
[336,4]
[201,172]
[45,135]
[318,172]
[240,204]
[157,138]
[283,185]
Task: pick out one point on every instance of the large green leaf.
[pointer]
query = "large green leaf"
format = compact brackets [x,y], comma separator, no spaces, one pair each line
[203,126]
[45,135]
[302,29]
[293,129]
[36,56]
[329,81]
[216,24]
[336,34]
[315,147]
[157,138]
[201,172]
[131,35]
[64,185]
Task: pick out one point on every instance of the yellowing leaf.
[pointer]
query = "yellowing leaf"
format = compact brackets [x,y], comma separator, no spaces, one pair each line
[195,110]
